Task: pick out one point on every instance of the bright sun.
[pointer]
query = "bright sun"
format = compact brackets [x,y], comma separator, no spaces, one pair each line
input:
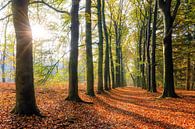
[39,32]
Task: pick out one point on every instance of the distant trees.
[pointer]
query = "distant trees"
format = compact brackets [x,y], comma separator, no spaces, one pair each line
[118,23]
[164,56]
[25,94]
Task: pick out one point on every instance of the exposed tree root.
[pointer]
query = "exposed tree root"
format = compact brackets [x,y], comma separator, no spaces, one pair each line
[22,112]
[77,99]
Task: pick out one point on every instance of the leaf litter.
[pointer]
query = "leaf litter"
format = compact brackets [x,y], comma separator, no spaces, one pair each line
[121,108]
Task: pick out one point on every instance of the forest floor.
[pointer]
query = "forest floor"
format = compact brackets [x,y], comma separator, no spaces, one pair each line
[121,108]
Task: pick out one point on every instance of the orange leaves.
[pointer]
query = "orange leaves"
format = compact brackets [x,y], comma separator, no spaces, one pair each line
[120,108]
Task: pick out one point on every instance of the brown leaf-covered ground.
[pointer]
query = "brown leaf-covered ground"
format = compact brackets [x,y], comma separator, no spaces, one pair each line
[121,108]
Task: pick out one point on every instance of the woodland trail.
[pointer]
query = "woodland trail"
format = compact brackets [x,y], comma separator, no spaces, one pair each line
[121,108]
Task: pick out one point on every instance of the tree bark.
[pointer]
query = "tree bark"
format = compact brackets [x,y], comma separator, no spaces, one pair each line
[89,55]
[193,76]
[25,94]
[73,60]
[106,67]
[165,6]
[153,77]
[117,65]
[139,82]
[112,68]
[123,79]
[144,59]
[112,63]
[100,47]
[148,48]
[188,73]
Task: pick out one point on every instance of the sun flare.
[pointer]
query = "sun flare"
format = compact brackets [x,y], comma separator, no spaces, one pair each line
[39,32]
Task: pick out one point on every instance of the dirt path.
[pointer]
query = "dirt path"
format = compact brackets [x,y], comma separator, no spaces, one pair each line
[121,108]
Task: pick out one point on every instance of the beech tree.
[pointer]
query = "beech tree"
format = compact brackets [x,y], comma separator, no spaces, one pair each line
[73,60]
[100,47]
[110,35]
[25,94]
[148,34]
[168,18]
[153,65]
[106,67]
[89,55]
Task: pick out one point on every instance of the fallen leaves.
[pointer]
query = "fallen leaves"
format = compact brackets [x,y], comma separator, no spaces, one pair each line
[120,108]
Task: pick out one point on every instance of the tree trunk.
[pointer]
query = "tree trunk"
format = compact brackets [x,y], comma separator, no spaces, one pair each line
[123,79]
[193,76]
[89,55]
[144,59]
[100,47]
[165,6]
[117,65]
[25,94]
[153,77]
[140,57]
[73,60]
[148,49]
[112,63]
[169,90]
[106,67]
[188,75]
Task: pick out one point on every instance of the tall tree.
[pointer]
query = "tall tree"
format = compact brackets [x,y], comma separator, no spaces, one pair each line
[188,38]
[73,60]
[148,46]
[106,67]
[141,44]
[168,18]
[123,78]
[153,71]
[110,48]
[100,47]
[188,74]
[144,55]
[112,63]
[89,55]
[193,75]
[140,81]
[25,94]
[118,33]
[117,65]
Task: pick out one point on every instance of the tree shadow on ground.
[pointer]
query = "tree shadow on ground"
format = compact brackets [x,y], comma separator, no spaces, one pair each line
[138,117]
[142,102]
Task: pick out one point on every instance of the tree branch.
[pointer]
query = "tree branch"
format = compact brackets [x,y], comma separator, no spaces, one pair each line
[176,9]
[48,74]
[55,9]
[5,5]
[1,19]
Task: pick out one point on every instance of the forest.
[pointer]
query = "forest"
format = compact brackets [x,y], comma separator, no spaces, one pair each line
[97,64]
